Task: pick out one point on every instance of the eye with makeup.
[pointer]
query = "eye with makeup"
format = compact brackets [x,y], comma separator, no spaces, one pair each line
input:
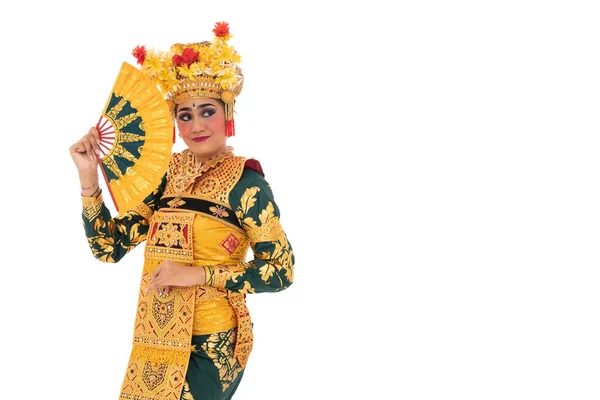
[184,116]
[204,112]
[207,112]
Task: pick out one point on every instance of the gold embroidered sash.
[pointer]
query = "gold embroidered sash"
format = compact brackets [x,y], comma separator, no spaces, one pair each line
[163,325]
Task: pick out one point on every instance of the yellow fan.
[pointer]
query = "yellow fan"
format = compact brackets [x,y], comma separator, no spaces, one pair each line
[136,138]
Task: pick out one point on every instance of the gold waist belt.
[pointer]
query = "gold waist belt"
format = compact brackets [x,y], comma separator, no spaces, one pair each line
[245,338]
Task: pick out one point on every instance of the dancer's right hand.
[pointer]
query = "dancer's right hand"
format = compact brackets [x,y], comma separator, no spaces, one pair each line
[84,151]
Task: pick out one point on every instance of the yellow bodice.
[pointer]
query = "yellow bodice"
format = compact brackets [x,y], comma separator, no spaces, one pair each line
[215,243]
[201,192]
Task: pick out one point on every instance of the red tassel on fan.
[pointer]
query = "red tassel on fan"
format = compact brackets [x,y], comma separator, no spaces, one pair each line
[229,128]
[174,135]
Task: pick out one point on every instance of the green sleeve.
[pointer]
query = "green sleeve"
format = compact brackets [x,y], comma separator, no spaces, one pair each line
[272,268]
[111,238]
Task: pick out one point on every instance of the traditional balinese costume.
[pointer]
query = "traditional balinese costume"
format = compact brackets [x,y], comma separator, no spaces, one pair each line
[194,342]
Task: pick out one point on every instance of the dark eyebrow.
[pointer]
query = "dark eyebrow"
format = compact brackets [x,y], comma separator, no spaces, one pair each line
[200,106]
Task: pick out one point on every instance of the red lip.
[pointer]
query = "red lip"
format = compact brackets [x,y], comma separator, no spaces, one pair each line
[200,138]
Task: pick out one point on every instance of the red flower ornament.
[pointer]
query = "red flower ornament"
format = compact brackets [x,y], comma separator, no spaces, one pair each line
[140,54]
[188,57]
[221,29]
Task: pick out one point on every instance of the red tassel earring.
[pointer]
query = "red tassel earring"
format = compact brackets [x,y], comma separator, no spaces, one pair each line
[229,125]
[229,128]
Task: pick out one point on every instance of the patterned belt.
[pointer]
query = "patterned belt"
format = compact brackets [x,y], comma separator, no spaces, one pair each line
[245,337]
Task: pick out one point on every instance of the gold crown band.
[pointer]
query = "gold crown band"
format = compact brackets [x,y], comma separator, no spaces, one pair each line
[194,91]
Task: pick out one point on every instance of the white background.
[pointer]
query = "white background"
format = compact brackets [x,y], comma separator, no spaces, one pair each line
[437,170]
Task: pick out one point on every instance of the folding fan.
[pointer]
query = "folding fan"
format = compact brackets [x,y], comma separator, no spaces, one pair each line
[136,138]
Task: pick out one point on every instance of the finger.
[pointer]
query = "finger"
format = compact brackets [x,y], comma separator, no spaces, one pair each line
[152,287]
[167,289]
[88,148]
[94,137]
[157,270]
[95,143]
[157,282]
[77,148]
[94,132]
[155,286]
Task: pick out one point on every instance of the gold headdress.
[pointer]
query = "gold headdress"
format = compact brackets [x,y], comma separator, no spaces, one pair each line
[205,69]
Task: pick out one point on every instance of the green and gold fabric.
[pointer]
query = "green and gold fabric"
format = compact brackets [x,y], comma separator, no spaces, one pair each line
[204,216]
